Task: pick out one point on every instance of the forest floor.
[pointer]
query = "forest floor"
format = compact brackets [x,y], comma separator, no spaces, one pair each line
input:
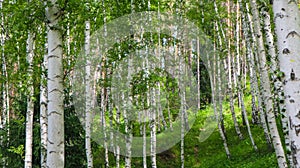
[211,153]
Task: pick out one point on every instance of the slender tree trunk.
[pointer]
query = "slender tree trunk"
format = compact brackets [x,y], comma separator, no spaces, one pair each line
[118,116]
[55,144]
[30,102]
[153,128]
[250,61]
[104,95]
[237,65]
[240,92]
[43,110]
[5,88]
[220,38]
[128,124]
[288,34]
[266,88]
[2,54]
[274,66]
[88,100]
[212,65]
[3,116]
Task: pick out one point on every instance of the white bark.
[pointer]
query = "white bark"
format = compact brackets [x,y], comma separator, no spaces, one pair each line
[30,102]
[88,99]
[278,90]
[127,121]
[220,38]
[2,35]
[240,91]
[229,74]
[182,117]
[104,90]
[153,128]
[5,92]
[288,33]
[236,64]
[198,75]
[252,59]
[2,52]
[266,88]
[117,138]
[144,145]
[4,117]
[214,81]
[55,144]
[43,110]
[118,116]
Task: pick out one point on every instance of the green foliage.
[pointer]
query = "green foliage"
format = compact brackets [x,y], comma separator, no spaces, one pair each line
[22,17]
[17,150]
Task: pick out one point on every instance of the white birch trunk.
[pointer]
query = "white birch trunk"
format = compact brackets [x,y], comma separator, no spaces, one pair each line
[144,146]
[3,116]
[198,75]
[104,90]
[278,90]
[254,61]
[214,80]
[2,36]
[153,128]
[229,74]
[2,54]
[117,138]
[118,116]
[250,63]
[5,103]
[30,102]
[43,110]
[55,144]
[88,99]
[240,91]
[182,112]
[266,88]
[288,34]
[127,121]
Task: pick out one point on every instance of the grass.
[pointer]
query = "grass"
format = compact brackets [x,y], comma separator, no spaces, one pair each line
[211,153]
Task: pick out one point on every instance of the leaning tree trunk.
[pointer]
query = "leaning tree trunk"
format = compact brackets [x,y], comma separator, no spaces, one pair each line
[254,61]
[55,144]
[288,34]
[266,88]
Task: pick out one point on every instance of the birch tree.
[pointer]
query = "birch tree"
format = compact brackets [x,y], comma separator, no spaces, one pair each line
[267,96]
[30,102]
[3,116]
[55,144]
[240,91]
[287,17]
[88,99]
[253,60]
[229,73]
[43,110]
